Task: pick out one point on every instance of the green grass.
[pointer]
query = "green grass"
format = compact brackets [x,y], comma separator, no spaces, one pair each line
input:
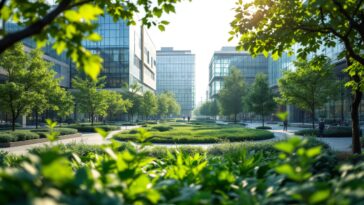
[192,133]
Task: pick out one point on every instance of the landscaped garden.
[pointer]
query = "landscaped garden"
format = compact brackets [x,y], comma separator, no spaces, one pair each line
[285,172]
[196,133]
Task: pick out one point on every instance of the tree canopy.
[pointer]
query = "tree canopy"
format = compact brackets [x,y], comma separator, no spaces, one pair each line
[230,96]
[310,86]
[260,97]
[69,22]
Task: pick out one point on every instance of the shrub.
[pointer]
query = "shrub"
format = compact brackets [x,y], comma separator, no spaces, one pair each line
[89,128]
[22,135]
[330,132]
[162,128]
[263,128]
[62,131]
[6,137]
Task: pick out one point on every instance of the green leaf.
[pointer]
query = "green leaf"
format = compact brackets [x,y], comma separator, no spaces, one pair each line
[94,37]
[5,13]
[161,27]
[312,152]
[59,46]
[102,132]
[284,147]
[319,196]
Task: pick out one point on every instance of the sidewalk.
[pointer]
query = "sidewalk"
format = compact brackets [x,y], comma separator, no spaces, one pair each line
[86,138]
[342,144]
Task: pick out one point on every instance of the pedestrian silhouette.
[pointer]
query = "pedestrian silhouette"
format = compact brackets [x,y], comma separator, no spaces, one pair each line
[321,128]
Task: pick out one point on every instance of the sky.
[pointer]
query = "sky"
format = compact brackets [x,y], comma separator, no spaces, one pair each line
[201,26]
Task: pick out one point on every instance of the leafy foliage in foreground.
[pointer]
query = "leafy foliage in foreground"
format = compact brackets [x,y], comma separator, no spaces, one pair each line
[131,176]
[198,134]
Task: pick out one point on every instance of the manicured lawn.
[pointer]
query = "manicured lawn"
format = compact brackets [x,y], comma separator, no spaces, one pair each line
[191,133]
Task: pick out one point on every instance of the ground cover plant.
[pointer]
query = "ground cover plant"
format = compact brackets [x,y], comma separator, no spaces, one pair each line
[330,132]
[22,135]
[90,128]
[196,133]
[298,173]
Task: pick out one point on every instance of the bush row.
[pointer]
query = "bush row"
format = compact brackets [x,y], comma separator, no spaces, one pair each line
[89,128]
[22,135]
[263,128]
[330,132]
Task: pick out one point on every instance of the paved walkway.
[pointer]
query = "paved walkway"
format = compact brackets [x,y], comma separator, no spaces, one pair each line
[342,144]
[85,138]
[337,144]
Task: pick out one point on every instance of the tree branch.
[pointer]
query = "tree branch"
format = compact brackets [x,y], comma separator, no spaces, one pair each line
[34,28]
[2,3]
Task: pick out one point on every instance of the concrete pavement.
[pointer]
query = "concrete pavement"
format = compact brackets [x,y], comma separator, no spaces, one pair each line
[85,138]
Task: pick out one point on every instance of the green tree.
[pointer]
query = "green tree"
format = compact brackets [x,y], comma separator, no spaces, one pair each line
[89,99]
[230,96]
[69,22]
[116,103]
[260,97]
[174,108]
[310,86]
[162,105]
[133,94]
[29,85]
[149,105]
[64,103]
[214,109]
[264,26]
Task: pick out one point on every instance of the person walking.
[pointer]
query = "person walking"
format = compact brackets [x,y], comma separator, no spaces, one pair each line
[188,118]
[285,125]
[321,128]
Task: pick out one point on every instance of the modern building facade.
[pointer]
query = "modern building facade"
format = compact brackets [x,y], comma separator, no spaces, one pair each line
[176,74]
[61,64]
[128,52]
[337,110]
[225,59]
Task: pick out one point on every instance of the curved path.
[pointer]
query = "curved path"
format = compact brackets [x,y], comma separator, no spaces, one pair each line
[85,138]
[337,144]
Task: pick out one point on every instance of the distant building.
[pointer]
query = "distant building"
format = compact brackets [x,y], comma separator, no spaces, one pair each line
[128,52]
[225,59]
[61,64]
[337,110]
[176,73]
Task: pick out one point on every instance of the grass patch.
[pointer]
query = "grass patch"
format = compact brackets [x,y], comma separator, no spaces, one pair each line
[192,133]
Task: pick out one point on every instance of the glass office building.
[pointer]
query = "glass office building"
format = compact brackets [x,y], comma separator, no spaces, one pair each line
[61,64]
[225,59]
[128,52]
[176,73]
[336,110]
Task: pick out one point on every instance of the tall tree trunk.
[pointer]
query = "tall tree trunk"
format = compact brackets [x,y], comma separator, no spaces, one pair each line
[13,119]
[13,123]
[263,120]
[356,147]
[313,118]
[36,120]
[235,118]
[92,119]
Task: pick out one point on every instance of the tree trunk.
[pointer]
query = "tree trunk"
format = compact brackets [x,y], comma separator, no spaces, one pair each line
[263,120]
[313,118]
[235,118]
[356,147]
[13,123]
[36,120]
[13,119]
[92,119]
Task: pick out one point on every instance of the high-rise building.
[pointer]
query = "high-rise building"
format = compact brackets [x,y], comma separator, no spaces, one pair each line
[61,64]
[128,52]
[335,110]
[176,73]
[225,59]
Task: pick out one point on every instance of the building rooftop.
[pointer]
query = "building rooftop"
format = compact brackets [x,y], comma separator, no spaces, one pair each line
[171,51]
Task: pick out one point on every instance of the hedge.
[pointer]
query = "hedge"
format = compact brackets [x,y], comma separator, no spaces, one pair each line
[89,128]
[22,135]
[263,128]
[162,128]
[330,132]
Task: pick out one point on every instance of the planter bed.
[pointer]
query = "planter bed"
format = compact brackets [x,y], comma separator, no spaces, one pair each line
[35,141]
